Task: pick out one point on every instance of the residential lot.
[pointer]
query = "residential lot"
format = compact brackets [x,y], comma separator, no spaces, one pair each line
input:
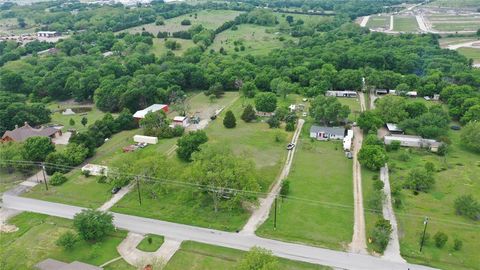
[405,24]
[457,174]
[35,241]
[379,22]
[319,209]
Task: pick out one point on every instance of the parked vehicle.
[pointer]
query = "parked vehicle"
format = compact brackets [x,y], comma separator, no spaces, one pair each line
[115,190]
[290,146]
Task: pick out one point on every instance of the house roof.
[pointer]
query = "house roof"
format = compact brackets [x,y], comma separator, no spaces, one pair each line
[393,127]
[404,138]
[337,131]
[20,134]
[50,264]
[152,108]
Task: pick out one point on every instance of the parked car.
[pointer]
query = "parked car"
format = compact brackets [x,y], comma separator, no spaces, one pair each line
[115,190]
[290,146]
[455,127]
[349,155]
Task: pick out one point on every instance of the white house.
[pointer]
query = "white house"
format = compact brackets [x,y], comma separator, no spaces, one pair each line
[153,108]
[323,133]
[95,169]
[145,139]
[343,93]
[180,121]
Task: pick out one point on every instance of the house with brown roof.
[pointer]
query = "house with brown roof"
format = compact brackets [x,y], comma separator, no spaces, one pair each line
[20,134]
[51,264]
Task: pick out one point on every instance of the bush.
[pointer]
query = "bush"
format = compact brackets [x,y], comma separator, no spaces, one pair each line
[93,225]
[394,146]
[420,180]
[86,173]
[285,188]
[378,185]
[186,22]
[466,205]
[404,156]
[457,244]
[372,156]
[229,121]
[67,240]
[375,201]
[57,179]
[290,126]
[248,114]
[273,122]
[440,239]
[381,234]
[121,181]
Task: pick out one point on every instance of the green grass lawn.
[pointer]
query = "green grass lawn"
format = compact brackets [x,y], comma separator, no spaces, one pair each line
[457,175]
[210,19]
[454,3]
[321,176]
[119,265]
[354,105]
[157,241]
[78,190]
[9,180]
[60,119]
[159,48]
[456,25]
[379,22]
[254,38]
[473,53]
[198,256]
[371,215]
[35,241]
[405,24]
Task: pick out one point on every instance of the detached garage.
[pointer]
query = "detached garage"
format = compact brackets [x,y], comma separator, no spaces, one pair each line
[145,139]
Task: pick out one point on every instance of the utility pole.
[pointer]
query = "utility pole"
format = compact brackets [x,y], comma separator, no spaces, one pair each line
[275,215]
[139,194]
[425,223]
[44,177]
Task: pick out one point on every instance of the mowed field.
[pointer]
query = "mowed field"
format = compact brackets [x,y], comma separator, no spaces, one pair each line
[454,3]
[198,256]
[446,22]
[456,175]
[35,241]
[210,19]
[405,24]
[256,39]
[10,26]
[472,53]
[159,48]
[379,22]
[319,207]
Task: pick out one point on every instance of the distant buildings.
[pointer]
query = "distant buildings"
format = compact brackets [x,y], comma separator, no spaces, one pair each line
[20,134]
[48,34]
[344,93]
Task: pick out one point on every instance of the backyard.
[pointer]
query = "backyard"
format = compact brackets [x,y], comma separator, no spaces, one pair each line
[354,105]
[456,175]
[35,241]
[320,208]
[88,111]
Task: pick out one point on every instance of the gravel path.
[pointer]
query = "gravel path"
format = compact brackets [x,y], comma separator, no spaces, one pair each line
[364,21]
[392,252]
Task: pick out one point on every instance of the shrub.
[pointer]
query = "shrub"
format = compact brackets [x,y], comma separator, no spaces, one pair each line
[395,145]
[404,156]
[93,225]
[149,240]
[57,179]
[248,114]
[420,180]
[430,167]
[457,244]
[440,239]
[285,188]
[273,122]
[381,234]
[290,126]
[375,201]
[229,121]
[121,181]
[67,240]
[378,185]
[86,173]
[186,22]
[466,205]
[71,122]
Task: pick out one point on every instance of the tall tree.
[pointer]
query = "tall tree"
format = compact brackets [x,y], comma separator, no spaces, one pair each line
[328,110]
[37,148]
[93,225]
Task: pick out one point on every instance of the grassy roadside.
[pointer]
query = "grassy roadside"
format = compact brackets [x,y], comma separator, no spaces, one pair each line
[198,256]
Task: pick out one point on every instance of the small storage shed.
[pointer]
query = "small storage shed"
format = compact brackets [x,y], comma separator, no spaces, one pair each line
[180,121]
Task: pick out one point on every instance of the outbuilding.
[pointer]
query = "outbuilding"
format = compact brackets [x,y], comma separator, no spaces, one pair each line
[394,129]
[323,133]
[153,108]
[94,169]
[180,121]
[48,34]
[341,93]
[347,141]
[413,141]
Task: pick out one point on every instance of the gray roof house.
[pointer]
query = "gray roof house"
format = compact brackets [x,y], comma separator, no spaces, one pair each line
[20,134]
[323,133]
[51,264]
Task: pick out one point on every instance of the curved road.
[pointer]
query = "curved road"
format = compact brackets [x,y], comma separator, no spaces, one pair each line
[339,259]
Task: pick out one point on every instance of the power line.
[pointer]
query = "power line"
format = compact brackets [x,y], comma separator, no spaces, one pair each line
[188,184]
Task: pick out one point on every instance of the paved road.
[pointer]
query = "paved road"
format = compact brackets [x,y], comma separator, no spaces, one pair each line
[392,252]
[261,213]
[364,21]
[180,232]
